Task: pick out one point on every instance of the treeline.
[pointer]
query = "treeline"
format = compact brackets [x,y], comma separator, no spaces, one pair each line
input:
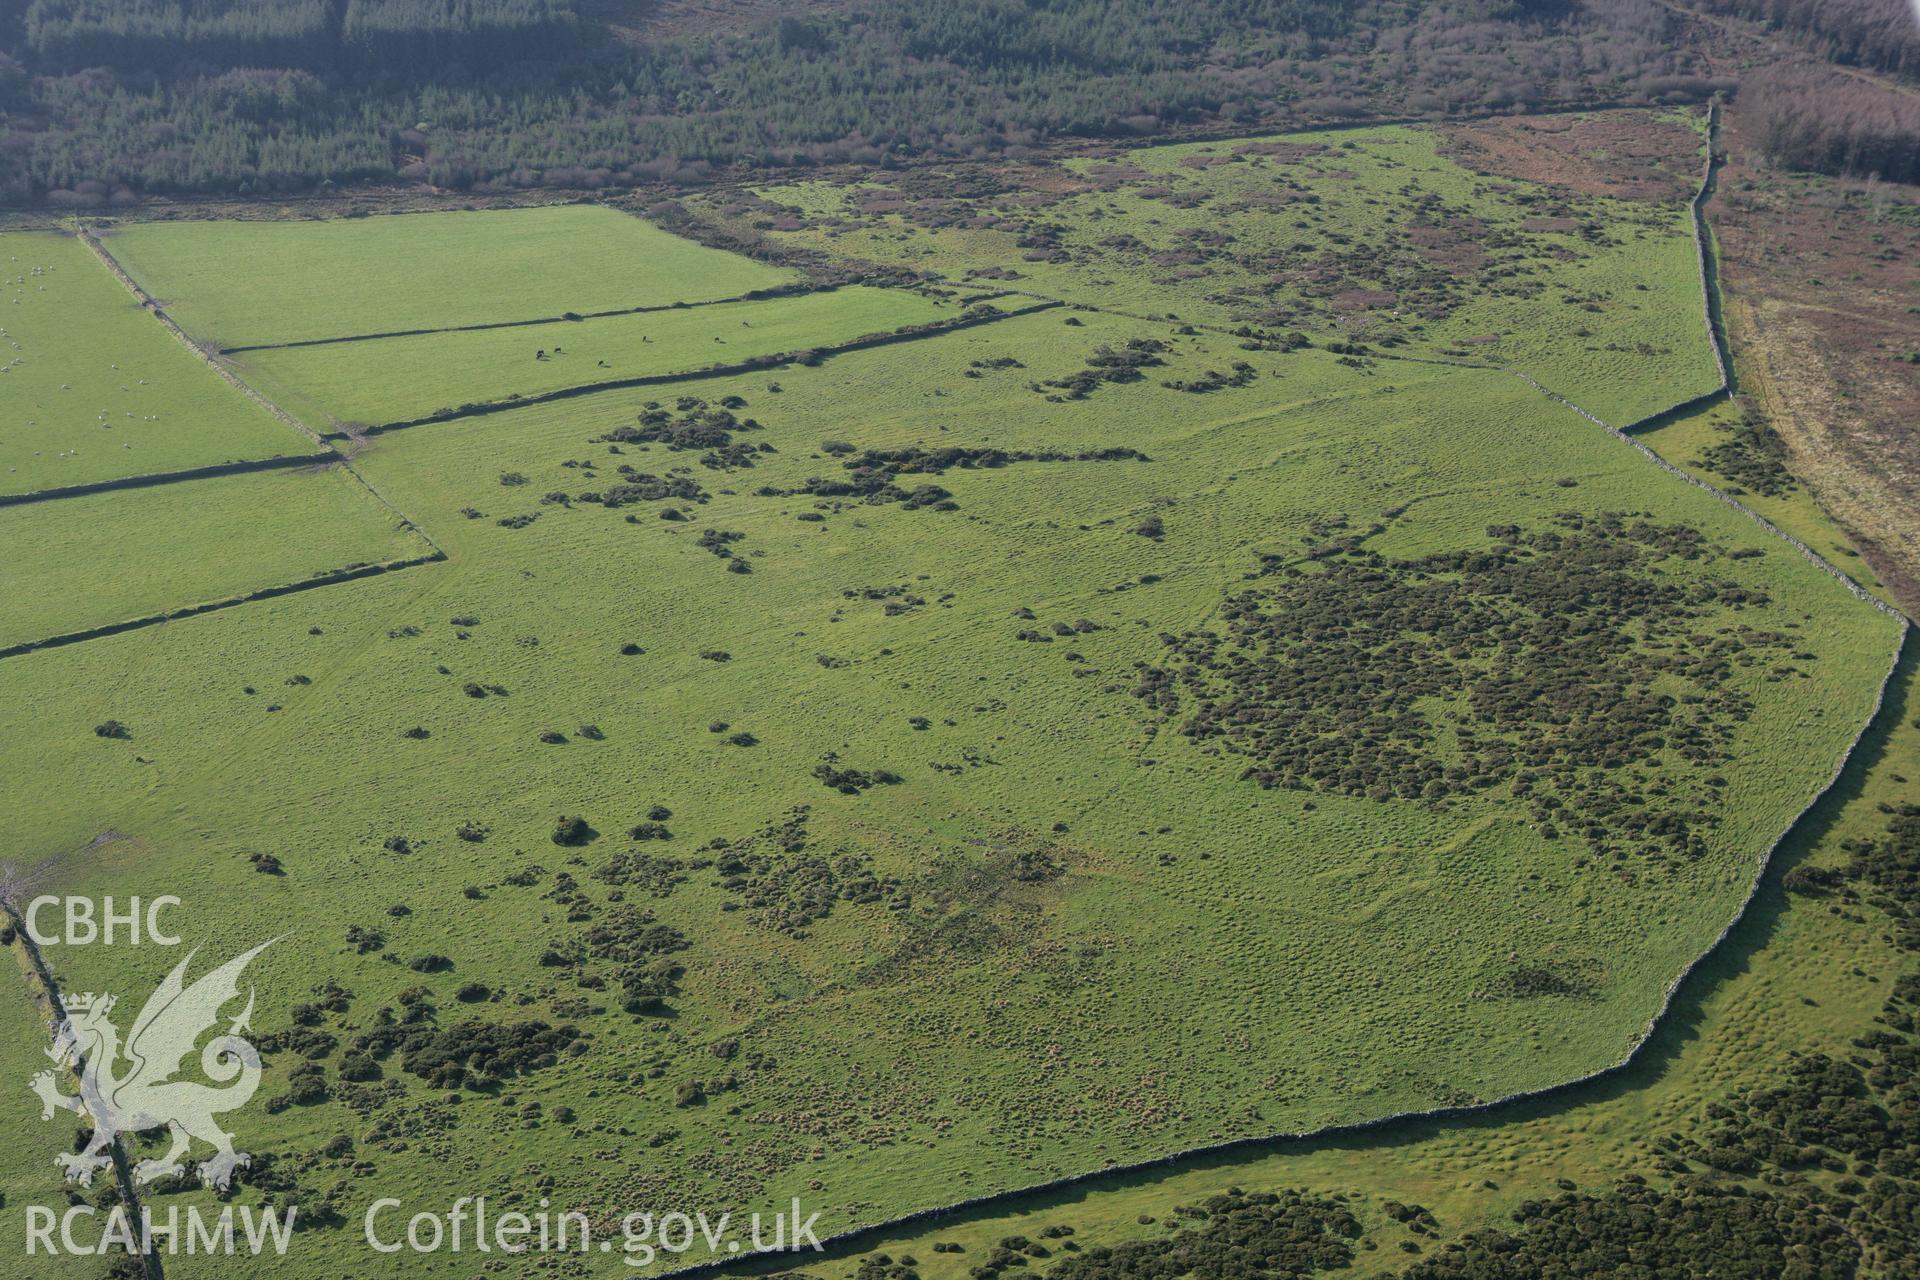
[420,37]
[158,35]
[1826,121]
[358,39]
[1875,33]
[395,93]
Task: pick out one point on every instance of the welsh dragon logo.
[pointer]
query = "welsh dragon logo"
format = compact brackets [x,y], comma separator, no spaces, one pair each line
[131,1088]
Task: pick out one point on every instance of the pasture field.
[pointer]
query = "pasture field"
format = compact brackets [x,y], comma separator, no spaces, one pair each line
[242,283]
[394,379]
[1378,236]
[1799,982]
[908,867]
[88,561]
[92,388]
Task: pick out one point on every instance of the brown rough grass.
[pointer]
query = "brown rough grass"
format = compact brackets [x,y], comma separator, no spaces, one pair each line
[1820,274]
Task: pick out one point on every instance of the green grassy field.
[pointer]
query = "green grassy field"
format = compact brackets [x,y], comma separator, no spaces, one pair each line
[391,379]
[1189,958]
[1359,235]
[95,389]
[88,561]
[1799,979]
[238,283]
[845,782]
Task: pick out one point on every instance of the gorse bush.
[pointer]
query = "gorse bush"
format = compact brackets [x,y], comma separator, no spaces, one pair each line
[1572,670]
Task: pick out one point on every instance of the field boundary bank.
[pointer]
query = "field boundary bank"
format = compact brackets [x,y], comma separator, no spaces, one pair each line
[1819,561]
[327,578]
[759,364]
[1703,251]
[1623,434]
[155,478]
[877,1232]
[234,380]
[798,289]
[146,300]
[52,1015]
[1685,409]
[1709,290]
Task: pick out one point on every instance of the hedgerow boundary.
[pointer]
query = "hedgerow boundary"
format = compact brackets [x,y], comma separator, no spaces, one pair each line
[758,364]
[210,472]
[571,317]
[325,578]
